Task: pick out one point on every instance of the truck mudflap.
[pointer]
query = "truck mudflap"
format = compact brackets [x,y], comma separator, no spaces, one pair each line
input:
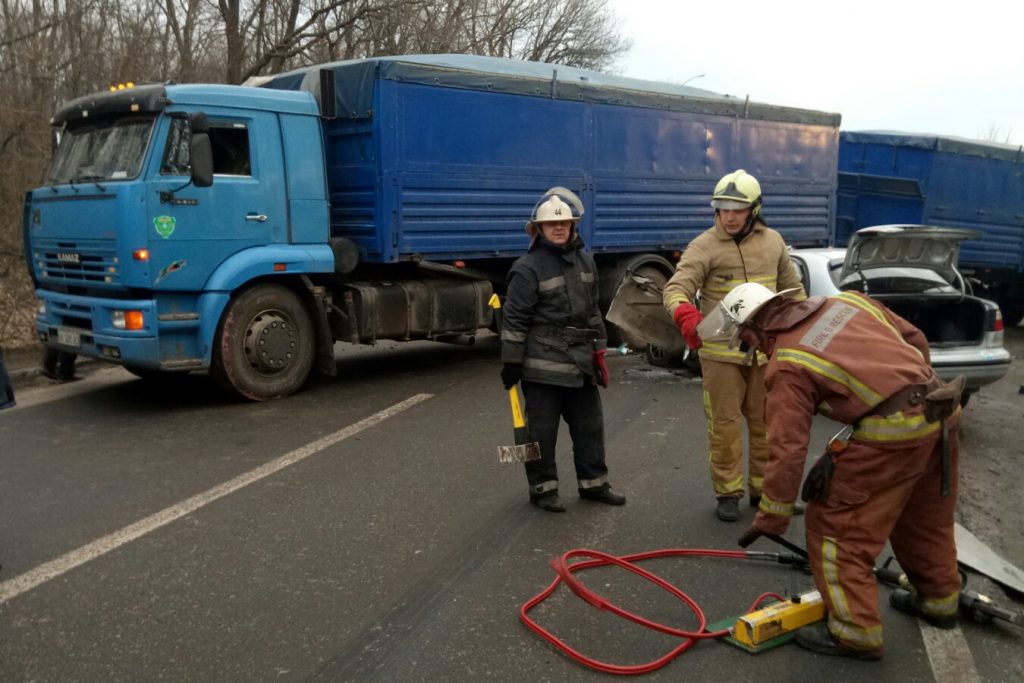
[638,310]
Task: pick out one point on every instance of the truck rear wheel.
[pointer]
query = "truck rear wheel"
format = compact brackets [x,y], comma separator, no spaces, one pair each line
[264,349]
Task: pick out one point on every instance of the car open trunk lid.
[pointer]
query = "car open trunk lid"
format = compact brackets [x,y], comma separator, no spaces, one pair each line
[916,246]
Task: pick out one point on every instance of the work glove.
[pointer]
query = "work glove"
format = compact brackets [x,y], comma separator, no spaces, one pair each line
[600,368]
[686,318]
[749,536]
[511,374]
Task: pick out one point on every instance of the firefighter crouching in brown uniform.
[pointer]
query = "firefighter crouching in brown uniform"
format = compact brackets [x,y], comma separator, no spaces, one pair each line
[738,248]
[855,361]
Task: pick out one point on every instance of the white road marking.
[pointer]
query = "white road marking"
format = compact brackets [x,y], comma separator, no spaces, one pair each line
[949,655]
[95,380]
[25,582]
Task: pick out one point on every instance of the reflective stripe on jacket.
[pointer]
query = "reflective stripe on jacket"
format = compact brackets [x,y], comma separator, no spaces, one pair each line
[550,289]
[714,264]
[847,357]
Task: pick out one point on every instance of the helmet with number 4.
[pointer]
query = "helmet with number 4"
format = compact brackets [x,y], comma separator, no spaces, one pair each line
[557,204]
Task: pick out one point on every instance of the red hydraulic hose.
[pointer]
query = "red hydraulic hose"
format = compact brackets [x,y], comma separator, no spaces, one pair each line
[564,571]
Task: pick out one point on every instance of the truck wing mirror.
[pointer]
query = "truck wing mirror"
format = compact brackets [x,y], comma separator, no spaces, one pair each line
[198,122]
[200,154]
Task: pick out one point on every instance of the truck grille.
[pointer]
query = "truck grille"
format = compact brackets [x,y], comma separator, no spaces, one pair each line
[76,263]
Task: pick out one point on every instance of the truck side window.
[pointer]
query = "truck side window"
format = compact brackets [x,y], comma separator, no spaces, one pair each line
[230,144]
[176,151]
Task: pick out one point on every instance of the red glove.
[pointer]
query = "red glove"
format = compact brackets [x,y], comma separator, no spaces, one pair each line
[686,318]
[600,368]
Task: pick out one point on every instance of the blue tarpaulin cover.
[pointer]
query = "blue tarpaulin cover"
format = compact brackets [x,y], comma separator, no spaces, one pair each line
[939,143]
[354,81]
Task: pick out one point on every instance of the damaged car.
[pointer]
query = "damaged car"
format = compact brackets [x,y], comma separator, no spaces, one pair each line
[912,269]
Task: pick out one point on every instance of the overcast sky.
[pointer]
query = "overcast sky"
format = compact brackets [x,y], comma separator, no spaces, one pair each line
[950,68]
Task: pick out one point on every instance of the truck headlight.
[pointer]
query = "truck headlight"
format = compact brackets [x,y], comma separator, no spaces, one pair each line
[40,307]
[127,320]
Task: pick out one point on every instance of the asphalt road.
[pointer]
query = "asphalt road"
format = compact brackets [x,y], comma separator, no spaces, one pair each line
[364,530]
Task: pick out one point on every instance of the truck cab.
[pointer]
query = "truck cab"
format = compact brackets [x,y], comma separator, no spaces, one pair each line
[162,202]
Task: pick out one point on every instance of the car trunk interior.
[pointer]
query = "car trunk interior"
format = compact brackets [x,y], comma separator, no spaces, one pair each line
[945,322]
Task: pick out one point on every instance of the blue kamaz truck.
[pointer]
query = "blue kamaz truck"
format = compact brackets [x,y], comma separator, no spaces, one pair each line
[243,230]
[893,177]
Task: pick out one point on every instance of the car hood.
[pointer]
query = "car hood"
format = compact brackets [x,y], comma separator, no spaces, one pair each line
[913,246]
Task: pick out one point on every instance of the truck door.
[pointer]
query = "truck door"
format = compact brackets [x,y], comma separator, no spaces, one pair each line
[192,230]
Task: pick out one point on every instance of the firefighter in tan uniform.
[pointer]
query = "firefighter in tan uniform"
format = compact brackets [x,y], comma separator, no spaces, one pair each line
[739,248]
[852,359]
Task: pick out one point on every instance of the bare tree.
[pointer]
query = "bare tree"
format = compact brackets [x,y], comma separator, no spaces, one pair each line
[995,134]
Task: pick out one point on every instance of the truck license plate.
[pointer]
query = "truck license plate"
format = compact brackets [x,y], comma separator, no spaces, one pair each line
[69,338]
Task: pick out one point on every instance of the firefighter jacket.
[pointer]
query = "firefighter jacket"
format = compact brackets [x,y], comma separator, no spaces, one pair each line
[714,263]
[848,356]
[551,321]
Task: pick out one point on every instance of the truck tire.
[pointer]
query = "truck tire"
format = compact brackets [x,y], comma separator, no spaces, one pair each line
[265,345]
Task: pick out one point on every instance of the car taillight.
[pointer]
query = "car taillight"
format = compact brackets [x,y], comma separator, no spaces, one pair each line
[996,333]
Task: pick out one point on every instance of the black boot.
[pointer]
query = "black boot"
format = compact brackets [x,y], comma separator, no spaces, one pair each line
[728,509]
[549,501]
[817,638]
[603,495]
[903,600]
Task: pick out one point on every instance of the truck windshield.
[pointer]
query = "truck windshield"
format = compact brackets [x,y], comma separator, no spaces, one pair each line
[103,149]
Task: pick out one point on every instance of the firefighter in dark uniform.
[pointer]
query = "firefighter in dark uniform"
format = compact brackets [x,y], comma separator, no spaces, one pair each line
[553,339]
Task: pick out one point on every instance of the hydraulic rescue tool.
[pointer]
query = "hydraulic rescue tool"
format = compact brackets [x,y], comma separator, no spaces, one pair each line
[565,570]
[973,605]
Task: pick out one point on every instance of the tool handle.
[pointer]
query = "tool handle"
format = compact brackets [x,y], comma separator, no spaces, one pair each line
[892,577]
[495,304]
[518,421]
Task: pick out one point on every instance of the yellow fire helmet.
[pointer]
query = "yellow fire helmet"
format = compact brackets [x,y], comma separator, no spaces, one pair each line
[737,190]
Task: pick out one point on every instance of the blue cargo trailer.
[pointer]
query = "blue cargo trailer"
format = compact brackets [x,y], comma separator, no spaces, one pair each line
[891,177]
[376,199]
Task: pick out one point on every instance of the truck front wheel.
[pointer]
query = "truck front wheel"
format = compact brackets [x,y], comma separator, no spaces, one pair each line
[264,349]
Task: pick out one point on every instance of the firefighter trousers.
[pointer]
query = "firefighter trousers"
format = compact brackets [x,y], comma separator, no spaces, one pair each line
[733,392]
[878,492]
[546,406]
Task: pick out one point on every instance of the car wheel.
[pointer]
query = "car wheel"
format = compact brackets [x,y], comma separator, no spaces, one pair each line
[265,346]
[660,358]
[656,356]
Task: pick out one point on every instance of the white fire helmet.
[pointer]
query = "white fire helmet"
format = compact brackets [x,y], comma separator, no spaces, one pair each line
[557,204]
[736,309]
